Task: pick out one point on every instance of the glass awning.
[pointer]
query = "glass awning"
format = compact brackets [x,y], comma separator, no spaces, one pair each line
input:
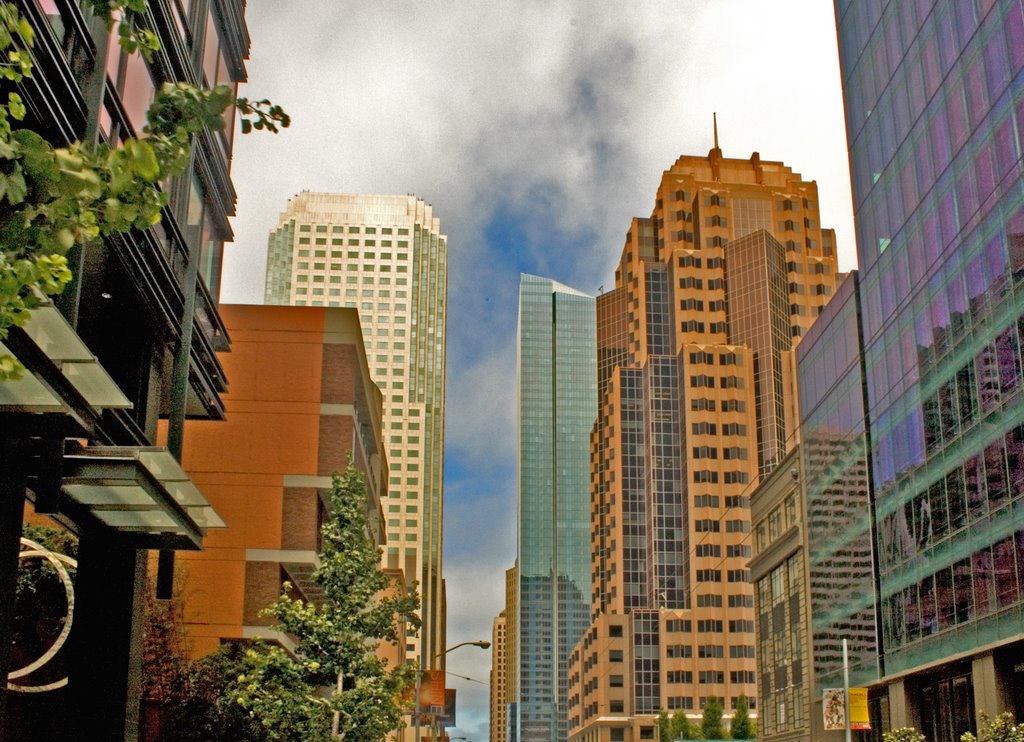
[57,341]
[140,492]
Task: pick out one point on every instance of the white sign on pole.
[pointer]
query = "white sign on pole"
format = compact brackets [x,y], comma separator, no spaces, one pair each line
[833,709]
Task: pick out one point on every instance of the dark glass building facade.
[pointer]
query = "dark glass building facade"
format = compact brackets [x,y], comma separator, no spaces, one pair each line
[834,466]
[934,95]
[143,304]
[557,404]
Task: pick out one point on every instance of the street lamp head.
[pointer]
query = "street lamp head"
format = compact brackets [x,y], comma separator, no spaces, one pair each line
[483,644]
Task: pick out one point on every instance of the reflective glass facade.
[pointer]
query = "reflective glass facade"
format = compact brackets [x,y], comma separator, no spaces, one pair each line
[557,404]
[836,490]
[934,97]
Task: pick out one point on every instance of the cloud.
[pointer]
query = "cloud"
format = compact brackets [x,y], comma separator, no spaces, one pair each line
[479,547]
[537,129]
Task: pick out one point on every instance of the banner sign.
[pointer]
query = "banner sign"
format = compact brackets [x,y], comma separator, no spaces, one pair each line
[859,718]
[833,708]
[432,692]
[447,719]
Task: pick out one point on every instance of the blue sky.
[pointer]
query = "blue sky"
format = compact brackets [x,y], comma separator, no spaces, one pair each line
[537,129]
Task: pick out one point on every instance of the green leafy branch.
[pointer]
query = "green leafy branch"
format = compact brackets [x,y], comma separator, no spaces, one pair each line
[54,198]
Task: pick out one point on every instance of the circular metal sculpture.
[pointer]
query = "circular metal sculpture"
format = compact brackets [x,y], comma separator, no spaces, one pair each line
[32,550]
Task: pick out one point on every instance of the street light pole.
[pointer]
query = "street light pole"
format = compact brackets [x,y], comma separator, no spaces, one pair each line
[481,643]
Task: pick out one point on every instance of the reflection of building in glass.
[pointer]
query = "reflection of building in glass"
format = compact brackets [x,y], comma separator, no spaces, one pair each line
[386,257]
[557,383]
[695,391]
[837,500]
[933,97]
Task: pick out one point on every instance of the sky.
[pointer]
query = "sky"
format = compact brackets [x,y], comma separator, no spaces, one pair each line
[537,129]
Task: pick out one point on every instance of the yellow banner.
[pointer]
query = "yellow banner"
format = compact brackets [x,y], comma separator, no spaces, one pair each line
[859,718]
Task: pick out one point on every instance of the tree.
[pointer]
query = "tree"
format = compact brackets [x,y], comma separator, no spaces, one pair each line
[664,727]
[682,728]
[336,641]
[903,734]
[741,727]
[1001,729]
[203,710]
[711,725]
[54,198]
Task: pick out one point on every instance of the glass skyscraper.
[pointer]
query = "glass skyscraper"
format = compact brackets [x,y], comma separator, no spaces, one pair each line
[934,94]
[557,403]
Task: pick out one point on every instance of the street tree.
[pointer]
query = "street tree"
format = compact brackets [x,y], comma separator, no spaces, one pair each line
[1003,728]
[711,724]
[337,639]
[741,728]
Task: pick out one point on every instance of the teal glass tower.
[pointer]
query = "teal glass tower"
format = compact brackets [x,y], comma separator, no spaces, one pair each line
[556,379]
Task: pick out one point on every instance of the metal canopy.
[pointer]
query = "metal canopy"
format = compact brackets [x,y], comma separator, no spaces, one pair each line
[139,493]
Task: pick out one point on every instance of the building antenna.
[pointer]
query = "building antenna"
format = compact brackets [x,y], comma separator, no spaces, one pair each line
[714,118]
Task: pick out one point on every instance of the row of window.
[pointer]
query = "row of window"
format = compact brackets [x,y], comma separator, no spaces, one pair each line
[351,242]
[715,575]
[706,381]
[715,551]
[724,359]
[711,452]
[701,404]
[689,282]
[712,429]
[692,261]
[707,476]
[338,229]
[697,305]
[695,326]
[685,703]
[710,525]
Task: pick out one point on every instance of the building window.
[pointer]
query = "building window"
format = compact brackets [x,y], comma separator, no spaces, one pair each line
[711,676]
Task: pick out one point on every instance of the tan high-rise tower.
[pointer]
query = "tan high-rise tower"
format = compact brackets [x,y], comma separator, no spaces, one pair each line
[386,257]
[499,678]
[696,403]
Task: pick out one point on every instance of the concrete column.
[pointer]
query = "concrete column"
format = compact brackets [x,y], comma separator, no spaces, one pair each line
[105,663]
[902,712]
[990,692]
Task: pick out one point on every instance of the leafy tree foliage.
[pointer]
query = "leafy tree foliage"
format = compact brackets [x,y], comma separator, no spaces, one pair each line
[260,692]
[741,728]
[338,639]
[711,724]
[1003,728]
[200,710]
[903,734]
[676,727]
[54,198]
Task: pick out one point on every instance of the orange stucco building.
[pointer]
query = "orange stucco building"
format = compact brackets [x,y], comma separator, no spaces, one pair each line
[300,400]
